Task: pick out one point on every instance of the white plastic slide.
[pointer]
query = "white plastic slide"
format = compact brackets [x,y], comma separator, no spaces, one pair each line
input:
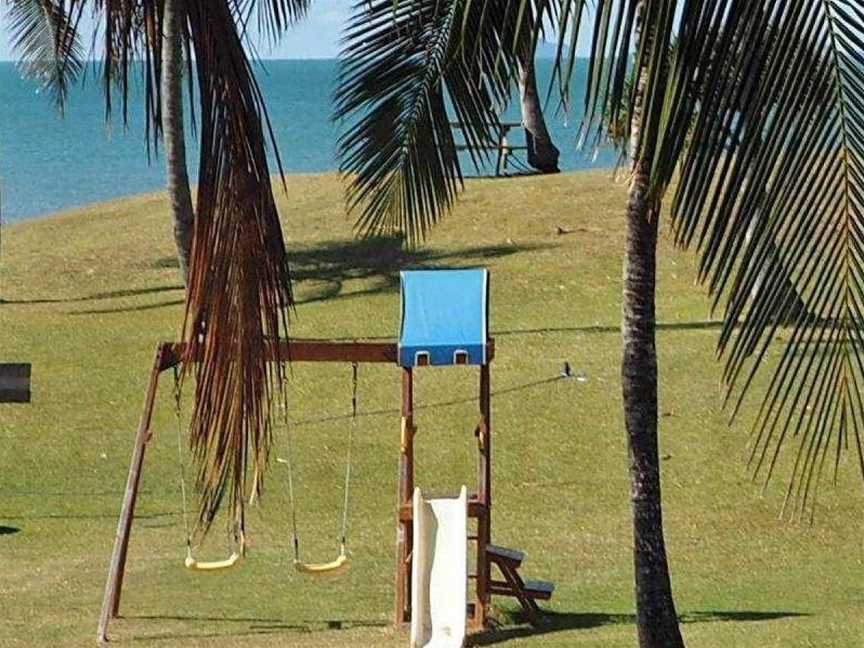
[439,571]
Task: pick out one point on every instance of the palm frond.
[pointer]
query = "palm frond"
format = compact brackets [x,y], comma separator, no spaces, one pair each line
[239,286]
[132,42]
[772,192]
[273,17]
[276,16]
[405,70]
[45,37]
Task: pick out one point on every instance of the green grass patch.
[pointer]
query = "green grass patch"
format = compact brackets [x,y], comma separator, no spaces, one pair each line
[87,294]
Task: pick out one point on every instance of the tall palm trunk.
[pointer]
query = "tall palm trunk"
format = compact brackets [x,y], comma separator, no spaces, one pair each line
[179,194]
[542,152]
[655,609]
[656,618]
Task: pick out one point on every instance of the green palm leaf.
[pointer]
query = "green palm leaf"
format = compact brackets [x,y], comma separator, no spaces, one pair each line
[45,36]
[758,109]
[405,70]
[774,179]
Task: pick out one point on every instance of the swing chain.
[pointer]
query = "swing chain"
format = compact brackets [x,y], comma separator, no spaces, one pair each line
[180,463]
[347,489]
[294,530]
[343,534]
[238,527]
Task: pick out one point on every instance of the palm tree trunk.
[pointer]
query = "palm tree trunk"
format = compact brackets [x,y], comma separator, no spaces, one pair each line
[656,618]
[655,609]
[179,194]
[542,152]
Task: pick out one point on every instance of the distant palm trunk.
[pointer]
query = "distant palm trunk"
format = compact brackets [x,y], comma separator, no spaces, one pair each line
[179,194]
[656,618]
[542,153]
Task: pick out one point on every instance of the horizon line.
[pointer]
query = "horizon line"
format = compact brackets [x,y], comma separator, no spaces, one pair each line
[269,58]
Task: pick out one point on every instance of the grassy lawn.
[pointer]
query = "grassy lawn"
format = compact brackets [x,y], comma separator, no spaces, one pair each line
[87,294]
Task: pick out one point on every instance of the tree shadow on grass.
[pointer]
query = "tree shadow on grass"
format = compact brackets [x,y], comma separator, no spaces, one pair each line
[128,309]
[113,294]
[7,530]
[323,271]
[552,622]
[256,626]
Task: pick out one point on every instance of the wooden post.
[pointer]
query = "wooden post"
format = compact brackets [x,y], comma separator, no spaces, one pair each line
[111,600]
[404,528]
[484,494]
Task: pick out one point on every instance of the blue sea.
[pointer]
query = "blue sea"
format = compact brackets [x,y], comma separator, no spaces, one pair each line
[49,162]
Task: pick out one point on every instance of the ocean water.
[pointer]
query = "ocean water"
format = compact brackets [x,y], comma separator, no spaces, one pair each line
[49,162]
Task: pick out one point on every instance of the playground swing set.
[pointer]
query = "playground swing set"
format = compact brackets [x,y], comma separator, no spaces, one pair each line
[444,322]
[238,543]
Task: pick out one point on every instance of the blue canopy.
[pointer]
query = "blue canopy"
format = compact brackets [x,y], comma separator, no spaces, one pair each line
[444,317]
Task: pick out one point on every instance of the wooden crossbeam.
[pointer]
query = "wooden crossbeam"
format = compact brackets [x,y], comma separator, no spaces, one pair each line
[476,509]
[300,350]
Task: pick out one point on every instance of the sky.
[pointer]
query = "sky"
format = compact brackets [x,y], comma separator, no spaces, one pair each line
[317,36]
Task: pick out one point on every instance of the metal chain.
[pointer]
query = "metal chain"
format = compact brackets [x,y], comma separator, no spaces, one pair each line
[237,526]
[344,534]
[347,486]
[294,530]
[180,463]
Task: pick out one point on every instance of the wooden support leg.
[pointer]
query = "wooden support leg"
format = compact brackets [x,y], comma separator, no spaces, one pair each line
[517,585]
[484,521]
[111,600]
[404,528]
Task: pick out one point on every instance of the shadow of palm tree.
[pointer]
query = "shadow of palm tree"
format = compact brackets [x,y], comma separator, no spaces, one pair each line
[256,626]
[563,621]
[113,294]
[128,309]
[321,271]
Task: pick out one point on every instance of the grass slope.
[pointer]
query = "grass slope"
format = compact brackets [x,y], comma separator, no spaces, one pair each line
[88,293]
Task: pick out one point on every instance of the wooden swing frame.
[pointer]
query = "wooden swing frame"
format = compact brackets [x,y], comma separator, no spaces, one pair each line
[168,355]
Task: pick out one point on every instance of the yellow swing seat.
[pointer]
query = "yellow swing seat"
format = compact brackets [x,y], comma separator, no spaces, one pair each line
[333,568]
[236,556]
[212,566]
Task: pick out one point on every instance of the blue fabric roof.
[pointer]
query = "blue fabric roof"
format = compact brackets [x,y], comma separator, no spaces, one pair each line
[444,317]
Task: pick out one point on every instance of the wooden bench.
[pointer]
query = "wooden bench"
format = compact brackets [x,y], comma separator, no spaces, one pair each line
[504,148]
[508,562]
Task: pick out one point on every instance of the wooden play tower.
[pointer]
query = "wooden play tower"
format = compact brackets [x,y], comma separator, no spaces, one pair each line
[444,322]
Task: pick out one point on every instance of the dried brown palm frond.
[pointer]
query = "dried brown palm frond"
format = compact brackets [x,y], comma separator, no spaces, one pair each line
[239,292]
[239,285]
